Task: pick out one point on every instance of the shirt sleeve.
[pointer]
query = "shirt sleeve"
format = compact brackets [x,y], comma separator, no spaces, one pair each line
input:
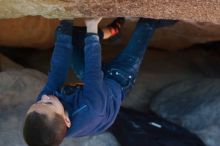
[94,89]
[60,60]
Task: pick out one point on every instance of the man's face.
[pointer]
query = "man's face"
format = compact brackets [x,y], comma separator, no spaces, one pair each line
[49,105]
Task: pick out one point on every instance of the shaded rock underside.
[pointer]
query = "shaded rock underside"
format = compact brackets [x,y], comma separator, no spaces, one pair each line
[38,32]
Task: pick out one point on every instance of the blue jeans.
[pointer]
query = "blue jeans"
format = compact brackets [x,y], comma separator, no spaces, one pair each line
[125,66]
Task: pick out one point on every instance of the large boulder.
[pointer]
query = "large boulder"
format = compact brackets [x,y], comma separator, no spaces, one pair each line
[185,34]
[193,104]
[18,89]
[30,32]
[199,10]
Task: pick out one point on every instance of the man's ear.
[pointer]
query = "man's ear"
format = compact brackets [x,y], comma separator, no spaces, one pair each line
[67,120]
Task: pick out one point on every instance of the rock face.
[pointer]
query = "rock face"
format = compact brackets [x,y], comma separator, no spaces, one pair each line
[193,104]
[18,86]
[38,32]
[184,34]
[199,10]
[30,32]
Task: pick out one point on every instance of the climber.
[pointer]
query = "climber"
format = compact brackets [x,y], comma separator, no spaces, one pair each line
[90,108]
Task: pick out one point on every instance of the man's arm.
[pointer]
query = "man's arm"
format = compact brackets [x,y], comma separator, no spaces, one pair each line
[94,88]
[60,60]
[92,51]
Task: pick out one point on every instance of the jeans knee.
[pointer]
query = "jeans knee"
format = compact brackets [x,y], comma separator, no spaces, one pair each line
[125,79]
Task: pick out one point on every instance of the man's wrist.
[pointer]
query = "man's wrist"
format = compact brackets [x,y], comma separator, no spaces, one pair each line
[92,29]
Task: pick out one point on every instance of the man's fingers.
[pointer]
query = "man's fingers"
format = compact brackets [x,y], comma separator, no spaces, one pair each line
[99,19]
[94,21]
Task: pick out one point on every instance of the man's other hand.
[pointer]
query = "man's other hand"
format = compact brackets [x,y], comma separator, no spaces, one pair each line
[92,24]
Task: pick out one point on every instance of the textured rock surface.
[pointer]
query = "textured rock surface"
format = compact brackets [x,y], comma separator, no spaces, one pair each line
[184,34]
[193,104]
[38,32]
[32,32]
[199,10]
[187,91]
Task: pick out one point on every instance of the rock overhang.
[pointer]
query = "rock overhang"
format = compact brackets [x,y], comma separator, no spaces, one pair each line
[198,10]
